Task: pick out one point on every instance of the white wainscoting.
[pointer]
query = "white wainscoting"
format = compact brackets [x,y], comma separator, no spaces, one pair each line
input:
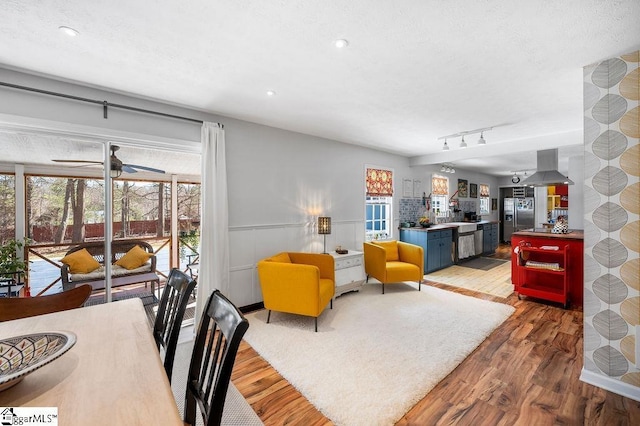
[248,244]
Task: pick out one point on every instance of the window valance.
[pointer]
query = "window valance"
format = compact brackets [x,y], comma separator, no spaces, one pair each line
[379,183]
[439,185]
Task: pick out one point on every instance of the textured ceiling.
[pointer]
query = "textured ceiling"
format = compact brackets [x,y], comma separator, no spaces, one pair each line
[414,70]
[40,149]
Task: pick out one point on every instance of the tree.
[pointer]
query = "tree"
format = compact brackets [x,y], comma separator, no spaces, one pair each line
[58,238]
[78,212]
[124,209]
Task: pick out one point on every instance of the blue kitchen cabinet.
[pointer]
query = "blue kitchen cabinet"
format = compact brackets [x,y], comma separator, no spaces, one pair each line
[440,243]
[436,244]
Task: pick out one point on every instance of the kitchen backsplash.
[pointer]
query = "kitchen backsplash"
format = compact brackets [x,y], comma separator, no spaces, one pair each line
[410,209]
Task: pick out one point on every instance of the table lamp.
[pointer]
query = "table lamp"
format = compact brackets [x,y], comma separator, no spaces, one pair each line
[324,228]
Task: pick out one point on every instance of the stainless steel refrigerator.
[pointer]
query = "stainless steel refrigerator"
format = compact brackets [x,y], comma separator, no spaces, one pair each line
[518,215]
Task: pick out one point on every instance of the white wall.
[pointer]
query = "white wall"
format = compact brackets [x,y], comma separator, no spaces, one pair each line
[279,182]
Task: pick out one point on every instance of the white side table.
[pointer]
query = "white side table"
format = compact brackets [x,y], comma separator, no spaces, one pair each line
[349,270]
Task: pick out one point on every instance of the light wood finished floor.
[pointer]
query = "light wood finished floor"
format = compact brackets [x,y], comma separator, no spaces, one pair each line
[496,281]
[526,373]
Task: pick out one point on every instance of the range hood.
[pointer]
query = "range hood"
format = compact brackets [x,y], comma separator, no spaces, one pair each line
[547,173]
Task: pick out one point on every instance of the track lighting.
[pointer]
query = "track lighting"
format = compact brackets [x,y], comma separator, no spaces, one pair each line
[463,144]
[447,169]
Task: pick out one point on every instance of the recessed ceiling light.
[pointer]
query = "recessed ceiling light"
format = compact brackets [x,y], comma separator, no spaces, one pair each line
[340,43]
[69,31]
[271,93]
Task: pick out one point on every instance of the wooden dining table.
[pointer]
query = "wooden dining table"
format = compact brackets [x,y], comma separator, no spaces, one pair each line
[113,375]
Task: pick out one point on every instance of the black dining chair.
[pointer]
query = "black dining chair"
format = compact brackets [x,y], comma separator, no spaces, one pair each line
[173,304]
[214,353]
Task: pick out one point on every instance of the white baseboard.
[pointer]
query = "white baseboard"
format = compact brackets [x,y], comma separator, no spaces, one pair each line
[610,384]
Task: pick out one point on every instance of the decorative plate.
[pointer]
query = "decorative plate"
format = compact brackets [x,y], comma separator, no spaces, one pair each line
[21,355]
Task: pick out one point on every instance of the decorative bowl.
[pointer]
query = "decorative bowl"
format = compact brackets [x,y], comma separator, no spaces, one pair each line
[21,355]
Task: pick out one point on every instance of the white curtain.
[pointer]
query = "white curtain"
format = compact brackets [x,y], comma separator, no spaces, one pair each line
[214,230]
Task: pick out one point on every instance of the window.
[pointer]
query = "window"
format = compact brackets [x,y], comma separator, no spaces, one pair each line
[440,195]
[379,200]
[378,218]
[484,199]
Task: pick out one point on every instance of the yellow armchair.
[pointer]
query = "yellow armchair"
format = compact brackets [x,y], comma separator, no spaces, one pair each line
[393,262]
[297,283]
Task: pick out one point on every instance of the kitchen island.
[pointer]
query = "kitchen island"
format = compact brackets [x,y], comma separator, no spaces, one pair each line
[548,266]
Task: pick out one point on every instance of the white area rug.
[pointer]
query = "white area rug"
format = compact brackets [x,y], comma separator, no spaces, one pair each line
[375,355]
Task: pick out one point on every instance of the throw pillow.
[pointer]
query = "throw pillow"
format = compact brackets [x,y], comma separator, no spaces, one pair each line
[80,262]
[134,258]
[391,248]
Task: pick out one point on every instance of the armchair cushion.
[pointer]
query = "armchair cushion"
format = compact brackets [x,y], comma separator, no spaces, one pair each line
[390,248]
[280,257]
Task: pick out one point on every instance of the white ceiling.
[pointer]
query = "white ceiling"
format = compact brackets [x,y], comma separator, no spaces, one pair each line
[414,70]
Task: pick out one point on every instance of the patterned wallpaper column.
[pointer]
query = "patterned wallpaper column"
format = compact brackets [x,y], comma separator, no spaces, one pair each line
[612,208]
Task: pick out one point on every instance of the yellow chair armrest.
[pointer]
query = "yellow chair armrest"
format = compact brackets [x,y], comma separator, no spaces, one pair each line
[411,253]
[375,261]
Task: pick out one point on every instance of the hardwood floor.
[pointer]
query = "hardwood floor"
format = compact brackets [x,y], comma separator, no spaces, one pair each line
[526,373]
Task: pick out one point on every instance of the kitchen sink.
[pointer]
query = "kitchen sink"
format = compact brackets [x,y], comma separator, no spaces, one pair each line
[465,227]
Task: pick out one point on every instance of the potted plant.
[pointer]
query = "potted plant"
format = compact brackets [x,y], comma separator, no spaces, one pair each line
[10,263]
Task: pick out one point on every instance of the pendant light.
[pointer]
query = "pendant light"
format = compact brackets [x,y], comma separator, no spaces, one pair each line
[445,147]
[481,141]
[463,144]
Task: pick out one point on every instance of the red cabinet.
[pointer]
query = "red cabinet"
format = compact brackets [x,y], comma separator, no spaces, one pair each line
[543,272]
[563,192]
[550,284]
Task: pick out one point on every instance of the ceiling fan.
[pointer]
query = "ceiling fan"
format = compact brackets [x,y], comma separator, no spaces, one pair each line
[117,166]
